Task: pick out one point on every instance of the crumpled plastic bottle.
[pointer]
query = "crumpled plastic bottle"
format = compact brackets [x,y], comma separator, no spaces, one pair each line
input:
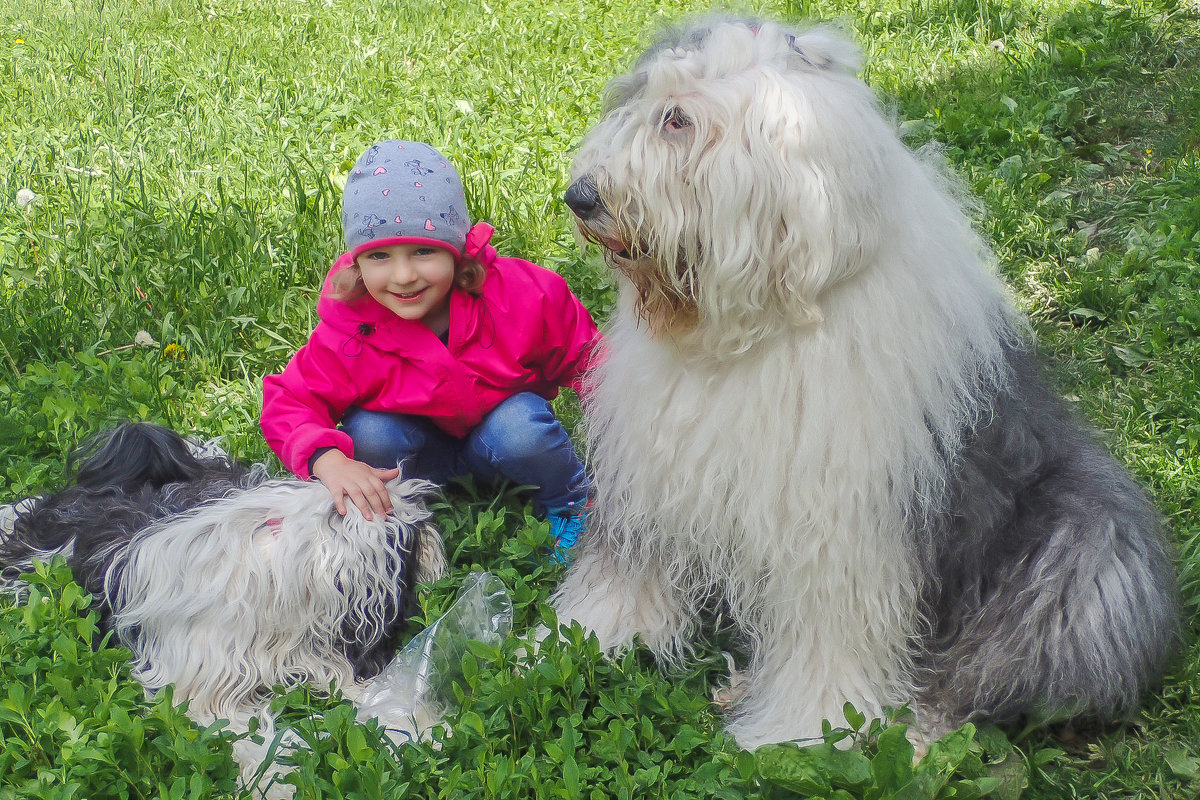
[412,692]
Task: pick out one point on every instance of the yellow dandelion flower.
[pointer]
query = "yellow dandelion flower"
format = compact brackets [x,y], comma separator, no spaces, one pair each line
[173,352]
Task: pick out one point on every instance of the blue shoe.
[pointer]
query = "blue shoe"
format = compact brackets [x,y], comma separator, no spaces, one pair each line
[566,523]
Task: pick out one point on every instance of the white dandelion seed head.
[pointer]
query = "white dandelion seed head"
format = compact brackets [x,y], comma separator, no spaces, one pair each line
[25,197]
[143,339]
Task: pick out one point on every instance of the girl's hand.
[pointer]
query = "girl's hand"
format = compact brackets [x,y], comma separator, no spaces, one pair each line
[363,484]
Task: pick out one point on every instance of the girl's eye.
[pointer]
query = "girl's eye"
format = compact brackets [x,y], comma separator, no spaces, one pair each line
[675,120]
[425,251]
[378,255]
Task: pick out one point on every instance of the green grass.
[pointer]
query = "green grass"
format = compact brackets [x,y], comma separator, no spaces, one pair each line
[184,157]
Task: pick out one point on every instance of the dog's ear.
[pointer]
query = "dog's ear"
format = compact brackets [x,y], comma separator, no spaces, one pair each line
[824,48]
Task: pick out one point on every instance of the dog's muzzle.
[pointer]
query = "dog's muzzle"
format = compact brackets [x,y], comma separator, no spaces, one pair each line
[583,198]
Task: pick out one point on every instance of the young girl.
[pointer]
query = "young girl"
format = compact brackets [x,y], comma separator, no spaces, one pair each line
[432,350]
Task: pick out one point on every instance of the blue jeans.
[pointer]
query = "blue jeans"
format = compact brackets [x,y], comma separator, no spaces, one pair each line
[520,441]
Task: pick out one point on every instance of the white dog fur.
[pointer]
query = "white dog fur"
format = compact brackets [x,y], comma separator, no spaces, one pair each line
[818,414]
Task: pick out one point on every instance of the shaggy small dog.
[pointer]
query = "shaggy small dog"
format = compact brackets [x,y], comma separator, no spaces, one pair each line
[227,584]
[820,415]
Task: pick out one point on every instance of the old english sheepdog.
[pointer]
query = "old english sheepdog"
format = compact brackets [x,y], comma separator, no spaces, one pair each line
[226,584]
[820,415]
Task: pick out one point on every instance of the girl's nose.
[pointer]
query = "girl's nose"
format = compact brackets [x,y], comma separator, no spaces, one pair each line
[403,272]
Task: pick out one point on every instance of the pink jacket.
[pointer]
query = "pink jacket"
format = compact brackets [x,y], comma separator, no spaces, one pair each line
[526,333]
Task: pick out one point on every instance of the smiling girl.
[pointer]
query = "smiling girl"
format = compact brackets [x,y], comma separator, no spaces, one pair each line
[432,350]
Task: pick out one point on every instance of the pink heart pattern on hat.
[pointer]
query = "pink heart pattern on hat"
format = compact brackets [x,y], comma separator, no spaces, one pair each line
[391,183]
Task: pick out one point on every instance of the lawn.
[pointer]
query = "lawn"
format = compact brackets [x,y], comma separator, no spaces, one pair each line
[183,160]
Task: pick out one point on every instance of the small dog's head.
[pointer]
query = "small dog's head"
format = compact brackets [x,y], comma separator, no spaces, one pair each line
[733,177]
[271,585]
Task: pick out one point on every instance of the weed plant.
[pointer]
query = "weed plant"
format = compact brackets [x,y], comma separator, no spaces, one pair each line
[184,158]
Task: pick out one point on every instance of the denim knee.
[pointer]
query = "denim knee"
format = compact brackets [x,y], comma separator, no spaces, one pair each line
[382,439]
[521,440]
[522,427]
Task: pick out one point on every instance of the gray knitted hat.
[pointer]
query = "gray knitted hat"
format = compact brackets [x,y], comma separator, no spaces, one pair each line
[404,192]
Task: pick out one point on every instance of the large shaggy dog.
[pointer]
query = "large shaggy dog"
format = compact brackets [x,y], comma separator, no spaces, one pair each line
[226,584]
[820,415]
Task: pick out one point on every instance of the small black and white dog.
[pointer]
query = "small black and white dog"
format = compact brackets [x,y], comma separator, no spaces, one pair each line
[226,583]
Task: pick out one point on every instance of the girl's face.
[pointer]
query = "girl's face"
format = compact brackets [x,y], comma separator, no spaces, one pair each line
[411,280]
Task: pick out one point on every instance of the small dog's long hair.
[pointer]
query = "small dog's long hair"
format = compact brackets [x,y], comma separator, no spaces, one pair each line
[225,583]
[125,480]
[820,412]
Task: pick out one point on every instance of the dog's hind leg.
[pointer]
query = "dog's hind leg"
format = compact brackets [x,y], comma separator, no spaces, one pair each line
[1080,623]
[618,601]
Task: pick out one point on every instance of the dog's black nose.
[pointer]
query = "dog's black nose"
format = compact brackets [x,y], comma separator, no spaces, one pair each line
[582,198]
